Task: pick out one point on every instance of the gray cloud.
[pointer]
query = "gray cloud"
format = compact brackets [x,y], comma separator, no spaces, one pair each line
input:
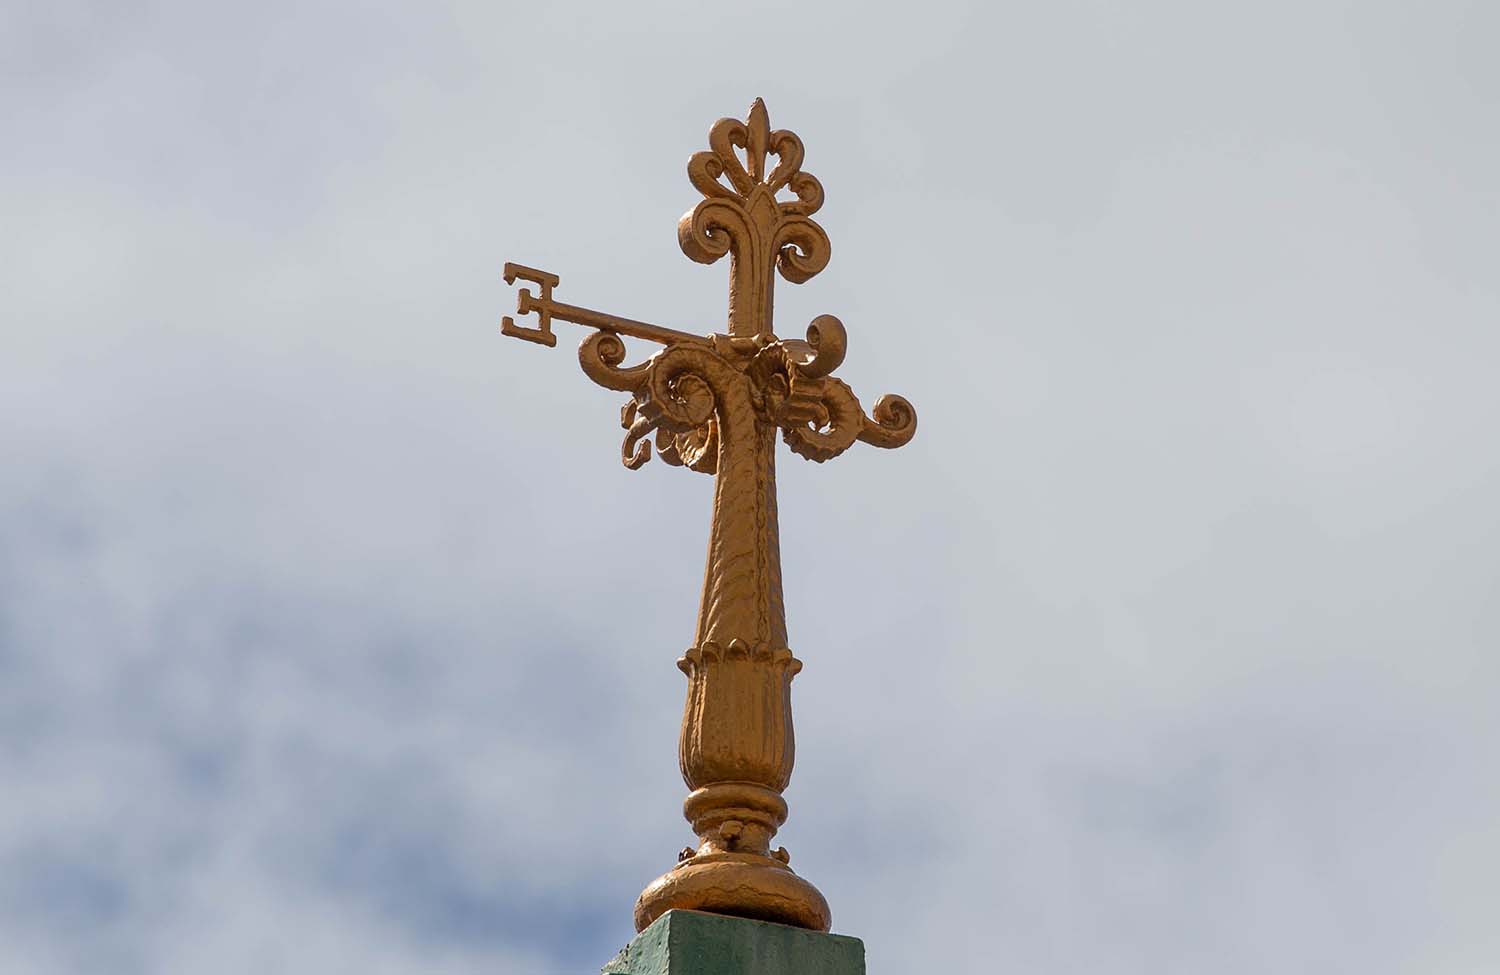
[333,637]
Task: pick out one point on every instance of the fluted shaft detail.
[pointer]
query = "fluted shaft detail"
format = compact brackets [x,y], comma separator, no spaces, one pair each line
[742,597]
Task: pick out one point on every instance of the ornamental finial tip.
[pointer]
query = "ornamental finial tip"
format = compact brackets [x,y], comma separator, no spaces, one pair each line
[758,121]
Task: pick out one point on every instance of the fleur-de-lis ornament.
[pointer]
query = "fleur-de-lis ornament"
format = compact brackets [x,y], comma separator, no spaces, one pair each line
[714,403]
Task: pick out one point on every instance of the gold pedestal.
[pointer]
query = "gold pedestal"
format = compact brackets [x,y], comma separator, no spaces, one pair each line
[736,751]
[741,885]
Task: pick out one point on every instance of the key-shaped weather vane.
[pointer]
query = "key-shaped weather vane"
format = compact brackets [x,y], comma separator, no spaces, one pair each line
[714,404]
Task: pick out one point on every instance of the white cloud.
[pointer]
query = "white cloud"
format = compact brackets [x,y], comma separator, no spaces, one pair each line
[333,637]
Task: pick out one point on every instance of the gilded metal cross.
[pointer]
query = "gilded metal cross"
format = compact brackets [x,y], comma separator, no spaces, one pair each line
[714,403]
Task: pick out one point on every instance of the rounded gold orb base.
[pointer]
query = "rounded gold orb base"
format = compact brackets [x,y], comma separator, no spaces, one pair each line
[737,884]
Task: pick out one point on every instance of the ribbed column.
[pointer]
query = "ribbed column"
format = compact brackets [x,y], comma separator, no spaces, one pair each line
[737,746]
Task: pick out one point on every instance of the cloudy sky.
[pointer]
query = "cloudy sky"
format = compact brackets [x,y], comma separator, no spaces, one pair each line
[334,637]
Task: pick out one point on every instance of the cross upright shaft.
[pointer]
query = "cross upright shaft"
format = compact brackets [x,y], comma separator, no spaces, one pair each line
[714,404]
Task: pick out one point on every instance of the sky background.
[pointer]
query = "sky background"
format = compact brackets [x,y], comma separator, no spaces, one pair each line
[334,637]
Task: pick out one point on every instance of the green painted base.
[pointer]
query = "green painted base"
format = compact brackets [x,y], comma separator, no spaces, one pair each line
[691,943]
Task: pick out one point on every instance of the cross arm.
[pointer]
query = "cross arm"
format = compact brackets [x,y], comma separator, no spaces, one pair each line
[547,309]
[675,394]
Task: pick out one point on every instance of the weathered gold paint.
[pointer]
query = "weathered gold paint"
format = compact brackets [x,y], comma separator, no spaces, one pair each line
[714,404]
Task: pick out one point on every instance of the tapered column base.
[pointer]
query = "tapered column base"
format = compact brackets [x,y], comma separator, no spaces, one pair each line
[737,884]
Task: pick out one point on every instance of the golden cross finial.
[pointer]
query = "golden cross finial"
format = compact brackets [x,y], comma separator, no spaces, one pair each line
[714,404]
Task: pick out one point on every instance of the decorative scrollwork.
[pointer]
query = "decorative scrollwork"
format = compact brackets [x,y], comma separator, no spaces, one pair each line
[683,385]
[745,219]
[635,450]
[600,356]
[894,425]
[697,450]
[823,352]
[834,431]
[788,383]
[674,394]
[819,416]
[802,249]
